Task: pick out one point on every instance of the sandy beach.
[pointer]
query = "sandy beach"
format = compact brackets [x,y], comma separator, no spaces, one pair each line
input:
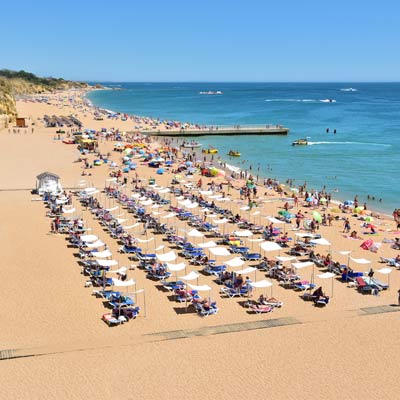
[53,322]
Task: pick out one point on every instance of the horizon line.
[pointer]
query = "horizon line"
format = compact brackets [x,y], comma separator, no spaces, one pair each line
[196,81]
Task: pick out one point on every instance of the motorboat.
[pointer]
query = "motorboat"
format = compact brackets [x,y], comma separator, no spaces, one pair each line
[210,92]
[234,153]
[191,145]
[300,142]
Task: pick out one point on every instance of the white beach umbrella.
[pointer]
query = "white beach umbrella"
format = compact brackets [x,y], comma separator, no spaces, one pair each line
[176,267]
[202,288]
[107,263]
[145,240]
[190,276]
[247,270]
[275,220]
[243,233]
[102,254]
[195,233]
[385,271]
[285,259]
[220,221]
[208,244]
[219,251]
[327,275]
[69,211]
[166,257]
[262,284]
[321,241]
[234,262]
[270,246]
[305,264]
[88,238]
[96,244]
[127,227]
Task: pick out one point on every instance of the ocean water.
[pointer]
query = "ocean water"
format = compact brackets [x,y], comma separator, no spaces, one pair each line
[361,158]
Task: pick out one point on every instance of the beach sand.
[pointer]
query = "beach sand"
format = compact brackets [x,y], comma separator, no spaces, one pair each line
[339,350]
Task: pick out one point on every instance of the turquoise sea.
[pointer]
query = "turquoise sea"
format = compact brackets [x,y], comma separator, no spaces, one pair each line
[361,158]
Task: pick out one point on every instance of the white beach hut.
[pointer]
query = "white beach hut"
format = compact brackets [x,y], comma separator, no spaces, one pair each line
[48,182]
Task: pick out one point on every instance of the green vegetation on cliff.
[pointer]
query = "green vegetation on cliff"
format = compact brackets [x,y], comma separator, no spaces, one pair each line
[17,83]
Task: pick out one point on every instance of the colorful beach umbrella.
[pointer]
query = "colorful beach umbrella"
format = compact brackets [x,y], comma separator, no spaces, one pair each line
[317,216]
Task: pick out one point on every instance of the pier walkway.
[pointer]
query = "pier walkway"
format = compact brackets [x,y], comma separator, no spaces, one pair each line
[220,131]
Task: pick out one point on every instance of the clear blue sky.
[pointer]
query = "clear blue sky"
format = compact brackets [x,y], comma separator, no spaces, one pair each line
[207,40]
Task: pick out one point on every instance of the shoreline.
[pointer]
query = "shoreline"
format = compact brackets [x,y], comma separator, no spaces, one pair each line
[335,199]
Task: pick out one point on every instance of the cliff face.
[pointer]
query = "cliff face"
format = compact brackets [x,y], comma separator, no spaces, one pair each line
[7,101]
[13,83]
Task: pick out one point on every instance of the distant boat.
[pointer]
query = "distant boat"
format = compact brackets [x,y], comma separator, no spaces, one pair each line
[212,92]
[349,90]
[191,145]
[328,101]
[300,142]
[234,153]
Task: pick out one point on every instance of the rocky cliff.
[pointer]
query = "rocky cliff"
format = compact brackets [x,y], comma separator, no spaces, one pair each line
[15,83]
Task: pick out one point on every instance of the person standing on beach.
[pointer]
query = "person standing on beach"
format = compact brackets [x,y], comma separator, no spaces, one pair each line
[347,226]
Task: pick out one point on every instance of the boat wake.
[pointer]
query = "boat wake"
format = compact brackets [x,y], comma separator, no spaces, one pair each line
[353,143]
[348,90]
[293,100]
[301,100]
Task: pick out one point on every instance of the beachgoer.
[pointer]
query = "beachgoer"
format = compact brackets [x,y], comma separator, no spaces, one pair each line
[371,273]
[347,226]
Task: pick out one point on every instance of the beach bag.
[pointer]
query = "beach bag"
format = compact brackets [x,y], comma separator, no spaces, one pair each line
[367,244]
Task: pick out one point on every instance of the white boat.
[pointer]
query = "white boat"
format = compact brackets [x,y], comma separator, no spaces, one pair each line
[191,145]
[349,90]
[210,92]
[300,142]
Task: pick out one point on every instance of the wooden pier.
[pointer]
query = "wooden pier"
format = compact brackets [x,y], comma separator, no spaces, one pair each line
[220,131]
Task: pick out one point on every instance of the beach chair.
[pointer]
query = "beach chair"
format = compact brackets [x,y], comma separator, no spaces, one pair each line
[261,309]
[130,249]
[239,249]
[129,312]
[121,301]
[272,302]
[158,275]
[106,294]
[362,286]
[110,320]
[322,301]
[215,270]
[234,292]
[304,285]
[205,312]
[173,285]
[252,256]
